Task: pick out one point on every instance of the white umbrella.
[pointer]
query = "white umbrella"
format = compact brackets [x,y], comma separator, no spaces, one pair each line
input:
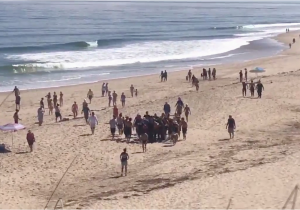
[257,70]
[12,127]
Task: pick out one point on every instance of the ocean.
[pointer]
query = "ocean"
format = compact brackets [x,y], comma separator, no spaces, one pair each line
[57,43]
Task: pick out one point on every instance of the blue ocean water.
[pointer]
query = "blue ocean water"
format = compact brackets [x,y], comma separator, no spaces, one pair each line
[56,43]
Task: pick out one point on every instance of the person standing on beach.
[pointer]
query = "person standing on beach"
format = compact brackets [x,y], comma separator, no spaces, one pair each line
[259,88]
[131,90]
[136,92]
[18,102]
[214,73]
[114,96]
[244,88]
[167,109]
[190,75]
[48,96]
[209,74]
[103,89]
[166,75]
[241,76]
[113,125]
[16,116]
[93,121]
[123,98]
[246,75]
[51,107]
[120,124]
[86,112]
[106,89]
[124,157]
[54,99]
[231,126]
[61,99]
[161,76]
[90,95]
[57,113]
[75,109]
[42,103]
[16,91]
[40,113]
[30,140]
[109,98]
[252,88]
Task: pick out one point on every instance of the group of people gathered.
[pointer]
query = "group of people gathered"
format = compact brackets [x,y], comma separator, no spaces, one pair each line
[252,86]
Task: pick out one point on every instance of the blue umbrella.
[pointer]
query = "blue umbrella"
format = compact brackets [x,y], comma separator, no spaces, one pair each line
[257,70]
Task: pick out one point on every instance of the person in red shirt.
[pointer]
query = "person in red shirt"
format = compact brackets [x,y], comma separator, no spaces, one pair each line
[30,140]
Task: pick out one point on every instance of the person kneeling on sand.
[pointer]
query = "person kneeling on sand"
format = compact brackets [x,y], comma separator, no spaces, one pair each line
[231,126]
[93,121]
[30,140]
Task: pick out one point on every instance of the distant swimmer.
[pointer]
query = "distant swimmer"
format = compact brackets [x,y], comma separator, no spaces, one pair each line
[259,88]
[244,88]
[231,126]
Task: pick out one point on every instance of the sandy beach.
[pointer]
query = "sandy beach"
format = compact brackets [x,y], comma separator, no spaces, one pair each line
[257,169]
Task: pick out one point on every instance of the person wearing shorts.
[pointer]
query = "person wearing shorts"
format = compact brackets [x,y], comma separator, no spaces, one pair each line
[93,121]
[57,113]
[113,125]
[124,157]
[231,126]
[30,140]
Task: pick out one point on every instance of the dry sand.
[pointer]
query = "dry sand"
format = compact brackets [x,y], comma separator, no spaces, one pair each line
[258,169]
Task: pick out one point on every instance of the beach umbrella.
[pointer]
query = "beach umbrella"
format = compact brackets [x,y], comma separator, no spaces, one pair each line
[257,70]
[12,128]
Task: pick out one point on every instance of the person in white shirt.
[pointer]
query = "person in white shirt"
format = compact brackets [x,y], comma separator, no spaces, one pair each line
[93,121]
[113,125]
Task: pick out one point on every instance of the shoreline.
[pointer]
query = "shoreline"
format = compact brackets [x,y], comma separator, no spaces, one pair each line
[196,67]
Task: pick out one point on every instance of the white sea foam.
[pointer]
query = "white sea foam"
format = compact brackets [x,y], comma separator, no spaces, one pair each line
[284,25]
[92,44]
[132,53]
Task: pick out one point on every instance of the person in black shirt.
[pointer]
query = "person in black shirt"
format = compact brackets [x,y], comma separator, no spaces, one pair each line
[259,88]
[241,76]
[231,126]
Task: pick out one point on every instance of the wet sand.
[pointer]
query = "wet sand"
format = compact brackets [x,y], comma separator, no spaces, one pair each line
[258,169]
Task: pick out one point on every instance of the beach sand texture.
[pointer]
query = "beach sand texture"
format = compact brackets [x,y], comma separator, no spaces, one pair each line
[258,169]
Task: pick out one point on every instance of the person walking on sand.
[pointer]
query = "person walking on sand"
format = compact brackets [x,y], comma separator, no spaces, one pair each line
[131,90]
[114,96]
[90,95]
[48,97]
[124,157]
[187,112]
[241,76]
[209,74]
[75,109]
[86,112]
[120,124]
[16,117]
[136,92]
[113,125]
[30,140]
[259,88]
[165,75]
[93,121]
[244,88]
[115,111]
[57,113]
[231,126]
[18,102]
[246,75]
[61,99]
[123,98]
[184,127]
[167,109]
[40,113]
